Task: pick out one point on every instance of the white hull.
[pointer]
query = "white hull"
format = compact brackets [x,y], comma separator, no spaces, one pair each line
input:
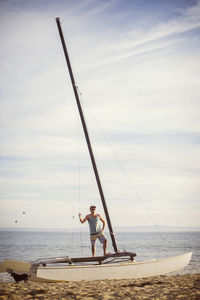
[114,271]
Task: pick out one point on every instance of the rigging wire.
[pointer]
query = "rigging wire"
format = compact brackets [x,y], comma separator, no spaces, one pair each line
[121,166]
[79,178]
[79,184]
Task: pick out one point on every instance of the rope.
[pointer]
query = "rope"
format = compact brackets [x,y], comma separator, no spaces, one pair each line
[79,186]
[79,179]
[122,168]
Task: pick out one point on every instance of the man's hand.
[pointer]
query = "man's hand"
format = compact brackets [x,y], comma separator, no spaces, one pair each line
[80,218]
[83,220]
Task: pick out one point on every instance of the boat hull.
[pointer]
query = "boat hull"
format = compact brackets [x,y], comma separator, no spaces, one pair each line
[114,271]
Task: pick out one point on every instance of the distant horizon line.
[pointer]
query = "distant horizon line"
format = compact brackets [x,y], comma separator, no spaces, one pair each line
[118,228]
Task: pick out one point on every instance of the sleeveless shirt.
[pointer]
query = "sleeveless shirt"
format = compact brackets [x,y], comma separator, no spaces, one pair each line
[94,224]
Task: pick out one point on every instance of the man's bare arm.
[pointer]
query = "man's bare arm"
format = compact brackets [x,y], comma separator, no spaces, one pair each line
[104,223]
[83,220]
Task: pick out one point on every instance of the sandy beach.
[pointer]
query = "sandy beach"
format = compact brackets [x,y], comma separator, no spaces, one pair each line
[161,287]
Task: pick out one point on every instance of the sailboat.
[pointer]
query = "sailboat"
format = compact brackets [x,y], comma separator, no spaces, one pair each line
[118,265]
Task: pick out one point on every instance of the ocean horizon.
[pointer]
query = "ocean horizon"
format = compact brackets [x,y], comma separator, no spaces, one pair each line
[152,228]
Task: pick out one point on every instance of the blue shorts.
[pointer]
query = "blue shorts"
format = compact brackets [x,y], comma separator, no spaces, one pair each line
[94,237]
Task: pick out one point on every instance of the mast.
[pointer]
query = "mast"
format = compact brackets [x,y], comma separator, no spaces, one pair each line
[87,136]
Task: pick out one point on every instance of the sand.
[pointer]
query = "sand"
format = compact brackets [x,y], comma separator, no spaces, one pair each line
[161,287]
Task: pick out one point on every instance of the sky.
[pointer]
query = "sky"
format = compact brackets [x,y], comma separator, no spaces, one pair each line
[137,67]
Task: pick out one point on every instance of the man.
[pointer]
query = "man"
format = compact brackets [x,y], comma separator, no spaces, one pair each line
[95,229]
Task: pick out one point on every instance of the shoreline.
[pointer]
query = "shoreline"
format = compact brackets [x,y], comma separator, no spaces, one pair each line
[186,286]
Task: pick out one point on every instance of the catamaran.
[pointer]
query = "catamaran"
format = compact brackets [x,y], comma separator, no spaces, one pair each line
[118,265]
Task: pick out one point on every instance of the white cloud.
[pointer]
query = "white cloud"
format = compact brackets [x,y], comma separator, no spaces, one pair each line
[142,88]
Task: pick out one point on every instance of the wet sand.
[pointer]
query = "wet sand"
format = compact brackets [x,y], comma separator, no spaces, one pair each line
[161,287]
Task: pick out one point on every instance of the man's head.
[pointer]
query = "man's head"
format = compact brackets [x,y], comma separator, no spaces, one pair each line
[92,208]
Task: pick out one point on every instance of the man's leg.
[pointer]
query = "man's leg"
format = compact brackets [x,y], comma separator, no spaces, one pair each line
[105,247]
[93,240]
[103,241]
[93,250]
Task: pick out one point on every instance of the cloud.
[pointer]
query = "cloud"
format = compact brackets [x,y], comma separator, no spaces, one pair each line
[158,36]
[141,84]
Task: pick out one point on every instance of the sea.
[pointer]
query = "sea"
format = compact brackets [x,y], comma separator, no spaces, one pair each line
[33,245]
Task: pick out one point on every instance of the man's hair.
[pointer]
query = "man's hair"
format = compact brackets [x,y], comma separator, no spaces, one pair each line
[92,206]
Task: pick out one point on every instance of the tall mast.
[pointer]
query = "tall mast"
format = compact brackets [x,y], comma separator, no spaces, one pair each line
[87,136]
